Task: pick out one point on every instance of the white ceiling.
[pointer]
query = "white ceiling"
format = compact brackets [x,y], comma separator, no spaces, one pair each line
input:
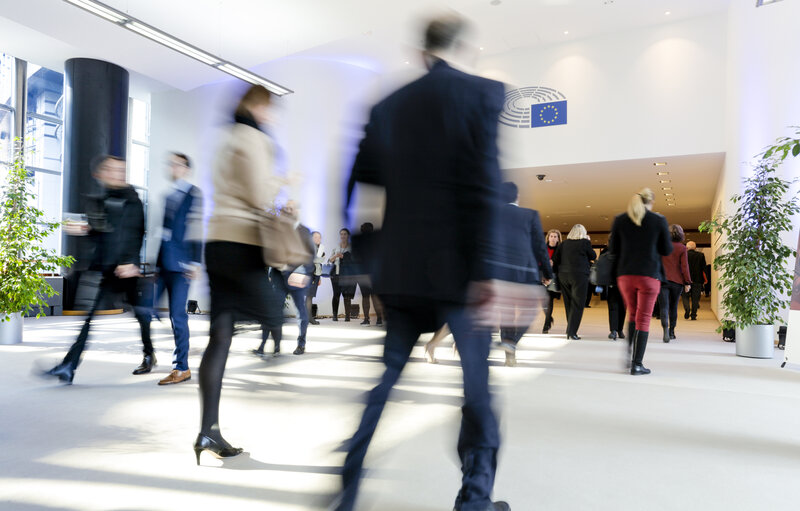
[562,198]
[252,32]
[382,35]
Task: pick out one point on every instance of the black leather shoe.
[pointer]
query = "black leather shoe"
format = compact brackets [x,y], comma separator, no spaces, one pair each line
[666,336]
[365,322]
[62,371]
[573,338]
[220,449]
[313,322]
[335,318]
[613,336]
[299,350]
[620,335]
[686,315]
[639,369]
[671,333]
[379,322]
[494,506]
[148,362]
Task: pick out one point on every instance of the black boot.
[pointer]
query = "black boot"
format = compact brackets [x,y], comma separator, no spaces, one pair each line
[640,344]
[63,371]
[631,330]
[148,362]
[666,336]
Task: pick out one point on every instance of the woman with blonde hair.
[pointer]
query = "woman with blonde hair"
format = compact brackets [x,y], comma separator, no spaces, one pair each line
[245,184]
[638,239]
[552,240]
[571,263]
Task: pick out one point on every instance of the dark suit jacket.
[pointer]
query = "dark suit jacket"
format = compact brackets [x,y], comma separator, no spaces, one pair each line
[116,219]
[432,146]
[574,256]
[697,265]
[182,225]
[522,251]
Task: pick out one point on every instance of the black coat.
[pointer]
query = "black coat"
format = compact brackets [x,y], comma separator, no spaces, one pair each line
[522,252]
[432,146]
[574,256]
[116,219]
[638,249]
[697,265]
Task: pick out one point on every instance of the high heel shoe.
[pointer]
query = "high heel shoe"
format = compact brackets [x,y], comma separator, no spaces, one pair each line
[205,443]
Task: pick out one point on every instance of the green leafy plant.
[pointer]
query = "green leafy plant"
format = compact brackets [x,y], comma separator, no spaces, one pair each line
[753,271]
[23,258]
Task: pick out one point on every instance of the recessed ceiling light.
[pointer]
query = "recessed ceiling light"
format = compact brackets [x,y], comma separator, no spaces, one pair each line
[406,62]
[662,173]
[670,203]
[481,48]
[669,194]
[588,206]
[667,188]
[665,181]
[667,13]
[566,32]
[660,163]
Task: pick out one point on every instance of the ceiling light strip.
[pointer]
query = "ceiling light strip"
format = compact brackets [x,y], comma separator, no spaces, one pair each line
[173,43]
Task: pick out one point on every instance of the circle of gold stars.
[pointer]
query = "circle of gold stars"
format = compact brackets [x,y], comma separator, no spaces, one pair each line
[555,114]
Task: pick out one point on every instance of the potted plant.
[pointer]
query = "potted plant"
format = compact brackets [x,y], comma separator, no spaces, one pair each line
[23,259]
[753,269]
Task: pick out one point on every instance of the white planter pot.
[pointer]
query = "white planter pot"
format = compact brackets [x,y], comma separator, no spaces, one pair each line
[755,341]
[11,330]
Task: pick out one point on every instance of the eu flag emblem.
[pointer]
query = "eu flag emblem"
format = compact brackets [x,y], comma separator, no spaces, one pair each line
[548,114]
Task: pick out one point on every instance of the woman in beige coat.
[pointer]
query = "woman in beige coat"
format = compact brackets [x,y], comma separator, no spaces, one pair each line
[244,184]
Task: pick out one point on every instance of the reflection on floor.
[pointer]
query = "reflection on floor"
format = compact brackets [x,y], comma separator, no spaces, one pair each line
[707,430]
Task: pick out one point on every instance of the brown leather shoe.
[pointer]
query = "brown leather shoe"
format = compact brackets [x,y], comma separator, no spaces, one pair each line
[176,377]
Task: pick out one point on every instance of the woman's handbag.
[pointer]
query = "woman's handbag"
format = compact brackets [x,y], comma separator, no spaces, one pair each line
[281,244]
[602,271]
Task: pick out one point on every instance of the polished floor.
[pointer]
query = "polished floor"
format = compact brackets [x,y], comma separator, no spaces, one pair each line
[706,430]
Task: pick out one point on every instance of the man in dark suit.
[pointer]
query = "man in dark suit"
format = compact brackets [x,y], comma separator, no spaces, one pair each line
[178,262]
[524,259]
[697,265]
[432,146]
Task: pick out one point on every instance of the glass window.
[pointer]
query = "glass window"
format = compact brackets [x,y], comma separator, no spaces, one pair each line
[7,67]
[44,143]
[138,165]
[45,91]
[6,135]
[140,122]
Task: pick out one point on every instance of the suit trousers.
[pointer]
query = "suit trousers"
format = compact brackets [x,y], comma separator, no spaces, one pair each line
[616,310]
[668,302]
[110,284]
[479,438]
[694,294]
[176,285]
[573,288]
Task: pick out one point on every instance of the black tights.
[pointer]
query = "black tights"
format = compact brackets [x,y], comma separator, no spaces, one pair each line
[212,367]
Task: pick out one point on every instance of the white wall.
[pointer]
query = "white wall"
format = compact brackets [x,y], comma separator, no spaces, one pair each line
[655,91]
[762,100]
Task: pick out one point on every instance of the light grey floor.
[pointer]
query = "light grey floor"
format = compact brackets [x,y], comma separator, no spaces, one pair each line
[707,430]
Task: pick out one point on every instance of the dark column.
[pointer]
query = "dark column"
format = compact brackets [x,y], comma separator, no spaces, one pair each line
[95,122]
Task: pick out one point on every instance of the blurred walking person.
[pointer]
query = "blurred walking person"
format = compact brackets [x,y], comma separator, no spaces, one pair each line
[319,260]
[432,145]
[616,308]
[178,263]
[571,263]
[523,259]
[115,232]
[676,280]
[553,241]
[245,185]
[697,267]
[638,239]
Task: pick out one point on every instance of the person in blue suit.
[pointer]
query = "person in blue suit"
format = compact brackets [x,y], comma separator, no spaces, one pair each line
[432,146]
[525,261]
[179,261]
